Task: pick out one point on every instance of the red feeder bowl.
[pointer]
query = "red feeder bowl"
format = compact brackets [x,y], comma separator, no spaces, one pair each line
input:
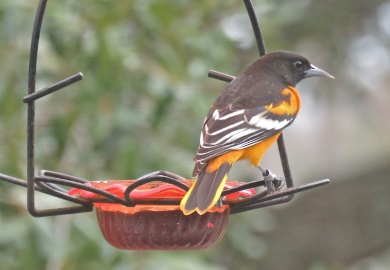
[155,226]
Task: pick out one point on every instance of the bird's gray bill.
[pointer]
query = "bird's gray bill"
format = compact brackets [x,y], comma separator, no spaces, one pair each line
[315,71]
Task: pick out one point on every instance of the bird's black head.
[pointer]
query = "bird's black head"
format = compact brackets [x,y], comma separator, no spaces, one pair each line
[291,67]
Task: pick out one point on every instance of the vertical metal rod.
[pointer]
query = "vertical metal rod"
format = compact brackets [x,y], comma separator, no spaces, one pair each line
[31,106]
[256,27]
[31,122]
[285,166]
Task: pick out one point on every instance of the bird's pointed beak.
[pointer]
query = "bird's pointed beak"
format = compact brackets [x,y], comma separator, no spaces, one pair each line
[315,71]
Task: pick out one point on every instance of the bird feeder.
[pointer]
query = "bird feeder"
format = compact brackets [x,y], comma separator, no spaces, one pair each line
[143,213]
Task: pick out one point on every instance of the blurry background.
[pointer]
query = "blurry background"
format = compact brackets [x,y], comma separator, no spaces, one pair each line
[141,106]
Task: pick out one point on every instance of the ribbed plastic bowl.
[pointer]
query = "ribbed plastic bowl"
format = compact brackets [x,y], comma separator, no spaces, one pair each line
[160,227]
[156,226]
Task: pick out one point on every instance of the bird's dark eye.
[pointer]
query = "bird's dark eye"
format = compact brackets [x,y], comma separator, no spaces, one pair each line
[298,65]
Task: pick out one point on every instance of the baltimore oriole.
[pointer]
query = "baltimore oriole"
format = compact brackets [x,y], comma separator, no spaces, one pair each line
[244,121]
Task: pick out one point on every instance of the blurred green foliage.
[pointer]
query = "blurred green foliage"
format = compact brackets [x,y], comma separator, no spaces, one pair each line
[140,109]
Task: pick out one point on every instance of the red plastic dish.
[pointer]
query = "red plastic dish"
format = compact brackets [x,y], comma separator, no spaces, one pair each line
[158,227]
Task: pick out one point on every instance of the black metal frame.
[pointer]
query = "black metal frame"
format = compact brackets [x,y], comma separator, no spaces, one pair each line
[51,183]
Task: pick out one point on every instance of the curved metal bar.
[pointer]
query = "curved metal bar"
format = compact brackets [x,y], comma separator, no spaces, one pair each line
[31,107]
[19,182]
[30,100]
[272,199]
[56,191]
[43,181]
[252,184]
[279,194]
[62,176]
[163,176]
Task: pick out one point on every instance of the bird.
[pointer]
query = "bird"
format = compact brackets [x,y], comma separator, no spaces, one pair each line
[244,121]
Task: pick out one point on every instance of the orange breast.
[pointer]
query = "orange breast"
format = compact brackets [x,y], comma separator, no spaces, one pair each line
[289,106]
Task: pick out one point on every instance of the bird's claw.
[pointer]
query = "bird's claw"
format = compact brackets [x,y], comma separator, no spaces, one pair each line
[272,182]
[278,182]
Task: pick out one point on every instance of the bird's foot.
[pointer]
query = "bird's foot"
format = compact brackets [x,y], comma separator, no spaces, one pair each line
[219,203]
[272,181]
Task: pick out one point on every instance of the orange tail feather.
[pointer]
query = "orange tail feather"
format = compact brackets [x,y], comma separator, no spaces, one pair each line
[206,190]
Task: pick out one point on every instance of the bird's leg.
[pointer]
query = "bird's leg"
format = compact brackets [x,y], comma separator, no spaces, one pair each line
[272,182]
[219,203]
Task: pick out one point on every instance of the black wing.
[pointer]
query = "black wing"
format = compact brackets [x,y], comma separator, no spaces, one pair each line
[230,129]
